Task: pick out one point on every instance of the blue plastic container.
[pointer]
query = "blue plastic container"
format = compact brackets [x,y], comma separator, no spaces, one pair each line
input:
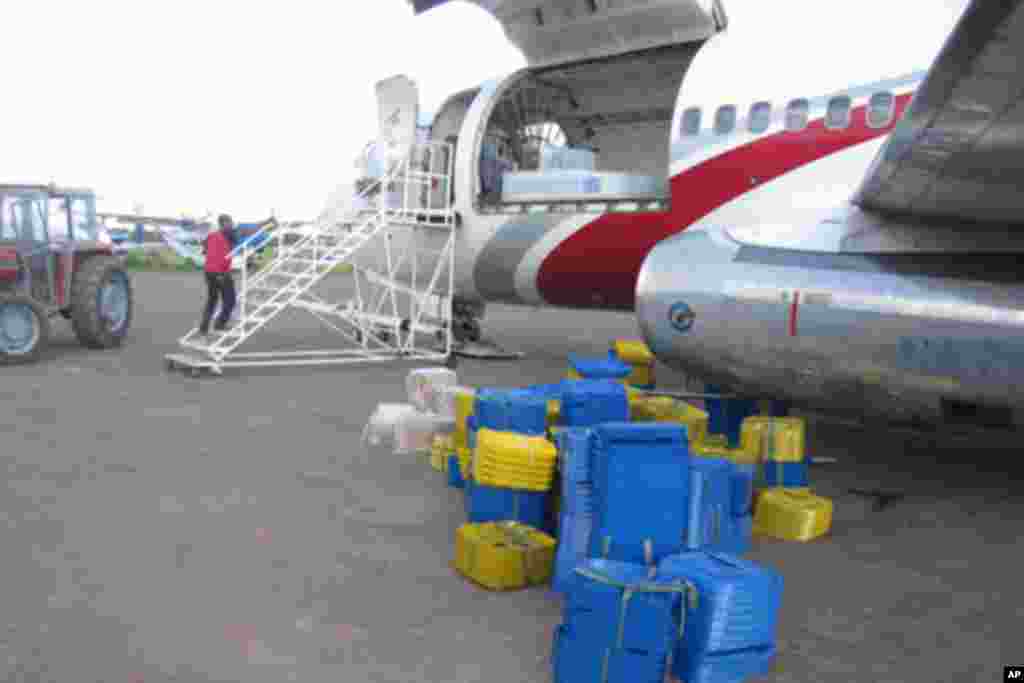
[725,416]
[641,474]
[793,474]
[455,479]
[576,519]
[600,368]
[727,667]
[574,660]
[513,410]
[549,392]
[574,452]
[467,491]
[624,605]
[491,504]
[737,603]
[573,539]
[586,403]
[720,499]
[621,605]
[526,412]
[489,410]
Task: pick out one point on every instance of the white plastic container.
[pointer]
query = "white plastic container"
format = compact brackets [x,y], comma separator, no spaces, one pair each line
[383,424]
[415,431]
[423,384]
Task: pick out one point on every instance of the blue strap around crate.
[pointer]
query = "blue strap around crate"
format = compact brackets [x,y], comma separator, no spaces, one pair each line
[684,587]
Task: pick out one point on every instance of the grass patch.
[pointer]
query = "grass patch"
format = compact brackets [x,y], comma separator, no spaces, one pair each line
[159,260]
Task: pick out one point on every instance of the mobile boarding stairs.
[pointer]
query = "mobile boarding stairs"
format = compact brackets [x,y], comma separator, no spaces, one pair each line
[377,269]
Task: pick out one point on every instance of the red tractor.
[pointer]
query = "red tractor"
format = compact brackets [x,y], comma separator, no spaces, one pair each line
[53,262]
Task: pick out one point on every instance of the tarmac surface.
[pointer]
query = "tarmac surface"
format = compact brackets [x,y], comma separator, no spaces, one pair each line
[155,527]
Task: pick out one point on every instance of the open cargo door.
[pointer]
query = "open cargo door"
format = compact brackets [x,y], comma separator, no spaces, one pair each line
[554,32]
[398,112]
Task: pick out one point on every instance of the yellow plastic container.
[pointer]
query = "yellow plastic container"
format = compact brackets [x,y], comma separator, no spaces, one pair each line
[695,419]
[651,408]
[780,438]
[465,458]
[463,409]
[715,448]
[635,353]
[440,449]
[504,555]
[510,460]
[792,514]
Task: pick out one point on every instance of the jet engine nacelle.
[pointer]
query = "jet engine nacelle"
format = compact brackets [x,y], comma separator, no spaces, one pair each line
[845,332]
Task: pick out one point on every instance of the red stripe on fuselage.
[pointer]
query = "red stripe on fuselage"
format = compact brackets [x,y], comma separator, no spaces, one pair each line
[794,309]
[597,266]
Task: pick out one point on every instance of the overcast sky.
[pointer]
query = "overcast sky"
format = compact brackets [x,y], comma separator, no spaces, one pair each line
[221,105]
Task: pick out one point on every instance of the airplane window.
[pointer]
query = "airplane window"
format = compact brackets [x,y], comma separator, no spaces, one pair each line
[725,119]
[838,114]
[797,113]
[880,109]
[760,117]
[691,121]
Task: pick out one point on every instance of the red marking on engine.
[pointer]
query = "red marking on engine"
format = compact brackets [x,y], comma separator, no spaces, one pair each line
[793,308]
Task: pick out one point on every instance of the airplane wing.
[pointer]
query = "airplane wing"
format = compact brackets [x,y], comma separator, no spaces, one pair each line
[958,152]
[551,32]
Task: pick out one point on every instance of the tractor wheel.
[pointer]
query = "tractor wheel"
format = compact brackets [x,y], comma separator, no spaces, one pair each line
[24,330]
[101,303]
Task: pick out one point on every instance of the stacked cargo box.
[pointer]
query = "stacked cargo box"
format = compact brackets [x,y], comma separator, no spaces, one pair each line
[512,412]
[641,483]
[620,624]
[729,628]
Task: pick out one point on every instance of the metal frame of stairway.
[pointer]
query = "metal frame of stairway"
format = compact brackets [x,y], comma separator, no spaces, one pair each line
[395,239]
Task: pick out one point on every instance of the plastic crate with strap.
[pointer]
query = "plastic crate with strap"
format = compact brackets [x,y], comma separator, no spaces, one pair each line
[504,555]
[641,475]
[730,631]
[621,624]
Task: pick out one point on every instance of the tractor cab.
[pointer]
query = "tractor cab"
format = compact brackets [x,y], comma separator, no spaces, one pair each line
[54,260]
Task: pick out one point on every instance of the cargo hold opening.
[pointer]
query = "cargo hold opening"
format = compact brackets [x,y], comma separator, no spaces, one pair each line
[587,136]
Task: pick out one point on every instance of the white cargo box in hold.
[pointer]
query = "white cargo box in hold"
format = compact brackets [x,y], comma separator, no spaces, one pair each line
[553,158]
[532,186]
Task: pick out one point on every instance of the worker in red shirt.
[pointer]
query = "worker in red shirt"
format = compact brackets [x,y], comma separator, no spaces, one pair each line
[219,283]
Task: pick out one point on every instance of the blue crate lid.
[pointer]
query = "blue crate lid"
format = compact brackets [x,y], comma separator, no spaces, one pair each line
[600,367]
[712,464]
[548,391]
[641,432]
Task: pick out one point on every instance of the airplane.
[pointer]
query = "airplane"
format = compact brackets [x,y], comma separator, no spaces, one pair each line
[771,196]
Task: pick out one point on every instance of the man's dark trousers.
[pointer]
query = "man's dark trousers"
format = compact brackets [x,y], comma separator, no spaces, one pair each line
[218,286]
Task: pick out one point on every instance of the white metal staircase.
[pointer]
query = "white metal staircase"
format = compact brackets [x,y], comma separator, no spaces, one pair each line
[396,240]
